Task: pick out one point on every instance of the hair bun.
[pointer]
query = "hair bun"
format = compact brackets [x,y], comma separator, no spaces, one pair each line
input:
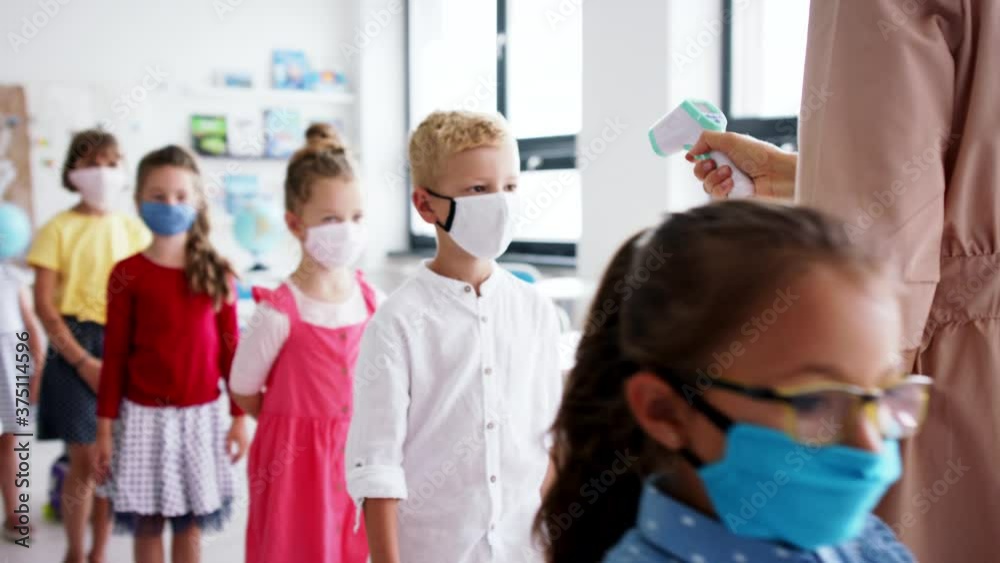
[322,136]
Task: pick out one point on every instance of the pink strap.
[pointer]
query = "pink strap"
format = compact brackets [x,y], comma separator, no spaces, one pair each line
[367,291]
[281,300]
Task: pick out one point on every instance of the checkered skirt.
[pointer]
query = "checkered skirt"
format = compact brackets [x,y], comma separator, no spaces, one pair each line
[171,462]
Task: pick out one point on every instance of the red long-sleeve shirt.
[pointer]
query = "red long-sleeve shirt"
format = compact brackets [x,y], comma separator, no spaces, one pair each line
[163,345]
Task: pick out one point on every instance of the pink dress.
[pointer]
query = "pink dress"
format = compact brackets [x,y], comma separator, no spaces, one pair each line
[299,506]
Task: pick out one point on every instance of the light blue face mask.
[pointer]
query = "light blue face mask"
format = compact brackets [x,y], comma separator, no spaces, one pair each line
[769,486]
[167,219]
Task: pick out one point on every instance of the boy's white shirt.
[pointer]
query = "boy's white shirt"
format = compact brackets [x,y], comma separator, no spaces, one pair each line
[454,395]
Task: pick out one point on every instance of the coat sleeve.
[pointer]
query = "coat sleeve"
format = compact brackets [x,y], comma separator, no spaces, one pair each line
[874,129]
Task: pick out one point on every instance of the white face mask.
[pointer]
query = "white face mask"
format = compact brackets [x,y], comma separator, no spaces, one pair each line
[336,245]
[483,225]
[99,186]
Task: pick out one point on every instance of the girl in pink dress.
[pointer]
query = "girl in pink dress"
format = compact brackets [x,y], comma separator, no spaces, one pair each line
[294,369]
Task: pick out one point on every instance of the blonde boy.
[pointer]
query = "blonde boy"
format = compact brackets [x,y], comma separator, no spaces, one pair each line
[458,373]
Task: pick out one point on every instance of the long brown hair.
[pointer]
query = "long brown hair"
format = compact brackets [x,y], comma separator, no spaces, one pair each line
[82,146]
[206,270]
[670,297]
[324,156]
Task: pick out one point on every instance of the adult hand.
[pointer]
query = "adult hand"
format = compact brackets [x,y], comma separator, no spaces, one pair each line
[771,169]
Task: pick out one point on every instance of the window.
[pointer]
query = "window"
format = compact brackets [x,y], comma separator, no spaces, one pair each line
[544,78]
[763,60]
[523,58]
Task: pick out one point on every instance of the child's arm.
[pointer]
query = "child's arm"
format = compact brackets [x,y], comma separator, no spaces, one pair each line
[35,344]
[381,526]
[258,348]
[374,453]
[60,337]
[103,447]
[228,328]
[117,343]
[249,403]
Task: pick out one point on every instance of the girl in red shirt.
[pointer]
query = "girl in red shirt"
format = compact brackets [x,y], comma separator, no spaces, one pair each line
[170,337]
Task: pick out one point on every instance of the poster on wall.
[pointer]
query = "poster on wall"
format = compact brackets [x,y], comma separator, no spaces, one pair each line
[15,163]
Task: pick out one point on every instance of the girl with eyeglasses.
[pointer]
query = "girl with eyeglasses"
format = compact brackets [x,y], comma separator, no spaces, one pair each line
[741,402]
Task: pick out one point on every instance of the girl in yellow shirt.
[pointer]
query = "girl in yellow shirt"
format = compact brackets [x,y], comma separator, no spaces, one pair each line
[73,255]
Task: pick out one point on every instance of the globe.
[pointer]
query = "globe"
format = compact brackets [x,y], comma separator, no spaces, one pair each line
[15,231]
[258,226]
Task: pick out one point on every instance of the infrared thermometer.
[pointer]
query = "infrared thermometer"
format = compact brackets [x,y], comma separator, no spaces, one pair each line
[679,129]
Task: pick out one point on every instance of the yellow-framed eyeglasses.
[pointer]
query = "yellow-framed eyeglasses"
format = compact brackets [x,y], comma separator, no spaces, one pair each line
[823,412]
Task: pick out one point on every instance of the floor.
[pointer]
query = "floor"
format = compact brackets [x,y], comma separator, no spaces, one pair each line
[49,542]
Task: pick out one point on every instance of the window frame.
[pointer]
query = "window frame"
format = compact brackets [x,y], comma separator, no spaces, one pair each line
[777,130]
[556,152]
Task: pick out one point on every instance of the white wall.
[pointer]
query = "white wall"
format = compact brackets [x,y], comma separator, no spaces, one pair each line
[638,64]
[131,64]
[381,71]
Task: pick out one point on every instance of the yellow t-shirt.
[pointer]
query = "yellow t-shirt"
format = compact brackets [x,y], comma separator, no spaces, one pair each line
[83,249]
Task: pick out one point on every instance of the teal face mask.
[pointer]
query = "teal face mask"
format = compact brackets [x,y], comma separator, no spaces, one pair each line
[771,487]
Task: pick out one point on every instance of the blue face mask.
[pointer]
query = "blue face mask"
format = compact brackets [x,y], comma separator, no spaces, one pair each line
[167,219]
[769,486]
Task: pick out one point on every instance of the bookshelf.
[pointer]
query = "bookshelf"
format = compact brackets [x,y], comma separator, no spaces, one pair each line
[270,96]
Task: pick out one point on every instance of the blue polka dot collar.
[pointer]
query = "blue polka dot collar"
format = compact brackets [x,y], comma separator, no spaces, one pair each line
[690,536]
[667,531]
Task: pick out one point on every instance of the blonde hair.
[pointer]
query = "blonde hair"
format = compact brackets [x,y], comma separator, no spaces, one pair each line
[445,133]
[324,156]
[205,269]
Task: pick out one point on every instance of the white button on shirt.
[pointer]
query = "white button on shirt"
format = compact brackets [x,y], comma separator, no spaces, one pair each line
[454,395]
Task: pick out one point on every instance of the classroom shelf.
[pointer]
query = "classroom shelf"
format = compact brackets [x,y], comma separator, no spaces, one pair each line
[270,96]
[244,158]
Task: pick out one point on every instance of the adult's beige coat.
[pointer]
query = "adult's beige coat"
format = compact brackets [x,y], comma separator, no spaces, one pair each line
[900,136]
